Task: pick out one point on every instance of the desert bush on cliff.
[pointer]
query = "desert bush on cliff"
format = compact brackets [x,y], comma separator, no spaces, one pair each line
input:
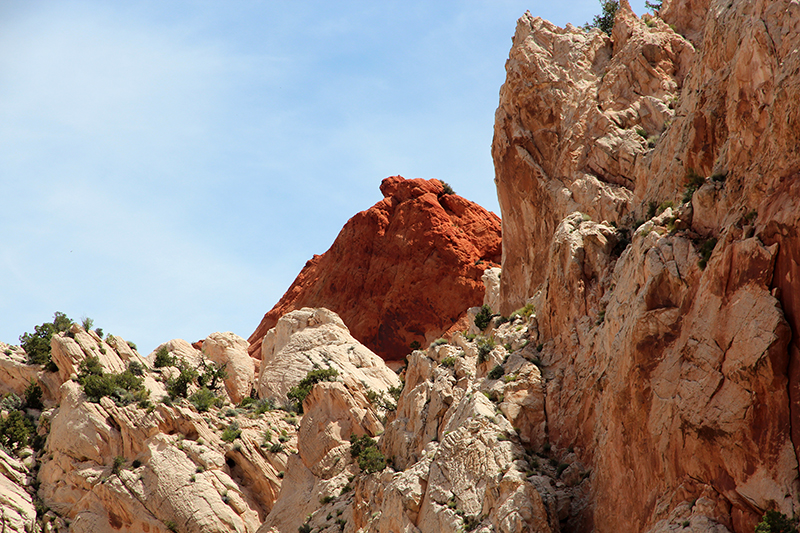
[365,450]
[33,396]
[212,375]
[163,358]
[775,522]
[485,347]
[15,430]
[605,20]
[37,344]
[299,392]
[204,399]
[178,387]
[124,388]
[447,188]
[483,317]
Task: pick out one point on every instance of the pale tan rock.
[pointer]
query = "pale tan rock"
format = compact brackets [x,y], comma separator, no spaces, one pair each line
[491,280]
[17,512]
[230,350]
[331,415]
[308,337]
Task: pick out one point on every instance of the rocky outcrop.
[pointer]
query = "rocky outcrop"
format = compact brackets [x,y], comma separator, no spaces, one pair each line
[577,113]
[387,262]
[307,339]
[228,350]
[668,345]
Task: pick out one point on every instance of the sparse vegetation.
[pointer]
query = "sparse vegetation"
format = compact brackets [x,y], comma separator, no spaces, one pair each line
[449,362]
[116,466]
[37,344]
[693,182]
[204,399]
[705,252]
[232,432]
[497,372]
[483,317]
[33,396]
[178,387]
[523,312]
[299,392]
[415,345]
[605,20]
[439,342]
[15,430]
[163,358]
[124,388]
[775,522]
[447,188]
[485,347]
[365,450]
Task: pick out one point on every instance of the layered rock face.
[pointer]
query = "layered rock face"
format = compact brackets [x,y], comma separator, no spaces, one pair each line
[388,271]
[669,347]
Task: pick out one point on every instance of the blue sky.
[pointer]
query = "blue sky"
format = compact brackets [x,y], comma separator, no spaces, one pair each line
[167,168]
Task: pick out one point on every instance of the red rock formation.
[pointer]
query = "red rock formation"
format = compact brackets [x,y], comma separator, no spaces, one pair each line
[404,270]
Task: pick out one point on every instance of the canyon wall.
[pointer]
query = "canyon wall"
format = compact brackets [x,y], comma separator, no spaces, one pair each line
[648,184]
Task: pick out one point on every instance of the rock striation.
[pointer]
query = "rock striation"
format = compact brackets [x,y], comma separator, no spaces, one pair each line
[386,268]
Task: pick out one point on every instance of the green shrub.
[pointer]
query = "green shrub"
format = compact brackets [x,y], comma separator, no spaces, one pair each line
[497,372]
[415,345]
[523,312]
[447,188]
[395,392]
[33,396]
[485,347]
[204,399]
[705,252]
[276,447]
[124,388]
[449,362]
[263,406]
[305,528]
[299,392]
[179,386]
[163,358]
[12,402]
[604,21]
[37,344]
[439,342]
[232,432]
[212,375]
[15,430]
[365,450]
[483,317]
[693,182]
[136,368]
[326,500]
[775,522]
[116,467]
[87,323]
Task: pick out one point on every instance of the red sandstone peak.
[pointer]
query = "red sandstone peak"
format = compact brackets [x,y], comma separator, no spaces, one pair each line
[404,270]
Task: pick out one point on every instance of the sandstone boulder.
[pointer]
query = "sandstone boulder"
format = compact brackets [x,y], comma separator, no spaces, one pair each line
[306,339]
[230,350]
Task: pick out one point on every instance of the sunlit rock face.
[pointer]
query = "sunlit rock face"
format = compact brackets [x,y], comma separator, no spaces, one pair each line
[648,188]
[404,270]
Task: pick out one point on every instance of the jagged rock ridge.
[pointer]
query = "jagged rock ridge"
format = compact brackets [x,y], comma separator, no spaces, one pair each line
[389,269]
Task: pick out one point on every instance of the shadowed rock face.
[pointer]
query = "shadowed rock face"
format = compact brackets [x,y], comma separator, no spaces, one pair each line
[404,270]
